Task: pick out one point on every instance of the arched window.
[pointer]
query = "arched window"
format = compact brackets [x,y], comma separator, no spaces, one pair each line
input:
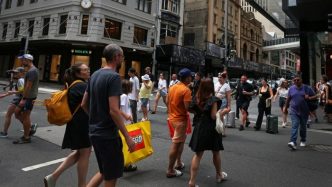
[257,56]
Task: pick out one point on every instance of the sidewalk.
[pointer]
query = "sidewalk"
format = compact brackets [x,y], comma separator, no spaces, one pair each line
[44,87]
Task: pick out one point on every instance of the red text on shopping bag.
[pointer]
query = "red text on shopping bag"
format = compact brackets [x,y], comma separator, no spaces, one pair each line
[137,137]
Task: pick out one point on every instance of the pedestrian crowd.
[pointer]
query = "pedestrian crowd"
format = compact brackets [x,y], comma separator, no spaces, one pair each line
[103,104]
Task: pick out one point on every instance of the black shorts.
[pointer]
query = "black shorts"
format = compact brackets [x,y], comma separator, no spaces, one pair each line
[16,100]
[109,156]
[244,105]
[282,102]
[28,104]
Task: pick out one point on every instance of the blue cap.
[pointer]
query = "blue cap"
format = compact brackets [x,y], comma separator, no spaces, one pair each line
[185,72]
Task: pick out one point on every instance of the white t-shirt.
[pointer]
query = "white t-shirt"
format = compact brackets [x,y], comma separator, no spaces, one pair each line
[135,88]
[162,84]
[221,90]
[283,92]
[173,82]
[125,107]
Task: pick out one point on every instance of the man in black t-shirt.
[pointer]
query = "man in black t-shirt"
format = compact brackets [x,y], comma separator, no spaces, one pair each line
[244,93]
[102,102]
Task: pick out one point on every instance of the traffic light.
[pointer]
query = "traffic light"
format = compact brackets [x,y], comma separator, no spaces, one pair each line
[329,22]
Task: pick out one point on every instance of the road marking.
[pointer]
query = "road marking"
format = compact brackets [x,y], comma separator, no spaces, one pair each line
[43,164]
[321,131]
[162,107]
[47,90]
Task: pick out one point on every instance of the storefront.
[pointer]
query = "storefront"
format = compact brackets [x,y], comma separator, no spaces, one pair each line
[171,58]
[53,57]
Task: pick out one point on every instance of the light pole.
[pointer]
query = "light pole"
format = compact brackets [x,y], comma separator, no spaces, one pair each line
[155,28]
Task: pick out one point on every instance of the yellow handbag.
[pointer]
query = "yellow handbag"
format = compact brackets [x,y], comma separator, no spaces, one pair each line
[141,134]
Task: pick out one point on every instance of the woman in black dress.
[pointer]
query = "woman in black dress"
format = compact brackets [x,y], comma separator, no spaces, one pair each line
[205,137]
[76,136]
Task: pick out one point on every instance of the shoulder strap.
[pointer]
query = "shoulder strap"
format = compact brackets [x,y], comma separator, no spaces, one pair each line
[72,84]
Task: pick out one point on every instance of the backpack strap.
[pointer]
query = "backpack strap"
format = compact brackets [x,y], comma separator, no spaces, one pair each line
[71,85]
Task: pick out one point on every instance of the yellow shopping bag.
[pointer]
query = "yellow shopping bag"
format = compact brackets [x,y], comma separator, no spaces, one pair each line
[141,134]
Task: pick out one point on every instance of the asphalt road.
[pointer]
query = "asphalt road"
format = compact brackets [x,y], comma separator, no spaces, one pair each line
[250,158]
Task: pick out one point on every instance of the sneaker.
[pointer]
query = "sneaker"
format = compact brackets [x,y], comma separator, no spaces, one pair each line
[3,135]
[316,120]
[236,118]
[247,123]
[308,125]
[49,181]
[284,125]
[33,129]
[130,168]
[302,144]
[22,140]
[292,145]
[241,128]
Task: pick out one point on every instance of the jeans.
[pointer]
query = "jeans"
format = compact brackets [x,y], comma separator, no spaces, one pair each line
[133,106]
[297,121]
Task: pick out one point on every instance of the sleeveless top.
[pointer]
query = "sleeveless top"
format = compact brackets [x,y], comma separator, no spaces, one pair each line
[264,95]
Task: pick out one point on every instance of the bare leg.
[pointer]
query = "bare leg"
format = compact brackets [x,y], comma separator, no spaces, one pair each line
[194,167]
[156,102]
[110,183]
[26,123]
[8,118]
[178,158]
[145,112]
[67,163]
[82,165]
[244,116]
[96,180]
[173,154]
[217,163]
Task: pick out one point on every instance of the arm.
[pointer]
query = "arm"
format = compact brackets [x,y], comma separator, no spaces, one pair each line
[85,102]
[115,112]
[276,95]
[271,93]
[286,104]
[228,97]
[147,85]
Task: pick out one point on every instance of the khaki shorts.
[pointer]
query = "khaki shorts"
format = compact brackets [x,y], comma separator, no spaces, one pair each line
[180,128]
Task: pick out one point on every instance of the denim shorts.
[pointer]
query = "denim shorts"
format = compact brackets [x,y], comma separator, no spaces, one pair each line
[144,102]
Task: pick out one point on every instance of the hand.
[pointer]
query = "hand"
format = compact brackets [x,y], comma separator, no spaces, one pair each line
[22,103]
[306,96]
[129,118]
[130,143]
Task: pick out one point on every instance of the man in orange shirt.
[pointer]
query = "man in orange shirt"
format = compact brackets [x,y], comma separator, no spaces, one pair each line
[178,100]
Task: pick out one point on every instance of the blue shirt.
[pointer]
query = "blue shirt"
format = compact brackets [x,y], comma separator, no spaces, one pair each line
[298,104]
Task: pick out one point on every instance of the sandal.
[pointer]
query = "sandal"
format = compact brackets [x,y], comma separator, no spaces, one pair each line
[180,167]
[22,140]
[221,178]
[130,168]
[177,173]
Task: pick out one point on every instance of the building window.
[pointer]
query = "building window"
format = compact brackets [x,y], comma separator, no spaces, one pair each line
[4,31]
[63,24]
[33,1]
[140,35]
[121,1]
[17,29]
[171,5]
[167,30]
[144,5]
[46,26]
[85,24]
[189,39]
[112,29]
[223,5]
[30,29]
[20,2]
[8,4]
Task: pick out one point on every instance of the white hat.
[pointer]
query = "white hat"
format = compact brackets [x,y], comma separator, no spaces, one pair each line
[281,81]
[26,56]
[146,77]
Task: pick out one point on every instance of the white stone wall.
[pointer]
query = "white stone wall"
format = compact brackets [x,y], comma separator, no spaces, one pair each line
[127,14]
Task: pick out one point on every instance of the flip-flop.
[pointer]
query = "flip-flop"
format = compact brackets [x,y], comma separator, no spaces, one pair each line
[223,177]
[181,167]
[176,174]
